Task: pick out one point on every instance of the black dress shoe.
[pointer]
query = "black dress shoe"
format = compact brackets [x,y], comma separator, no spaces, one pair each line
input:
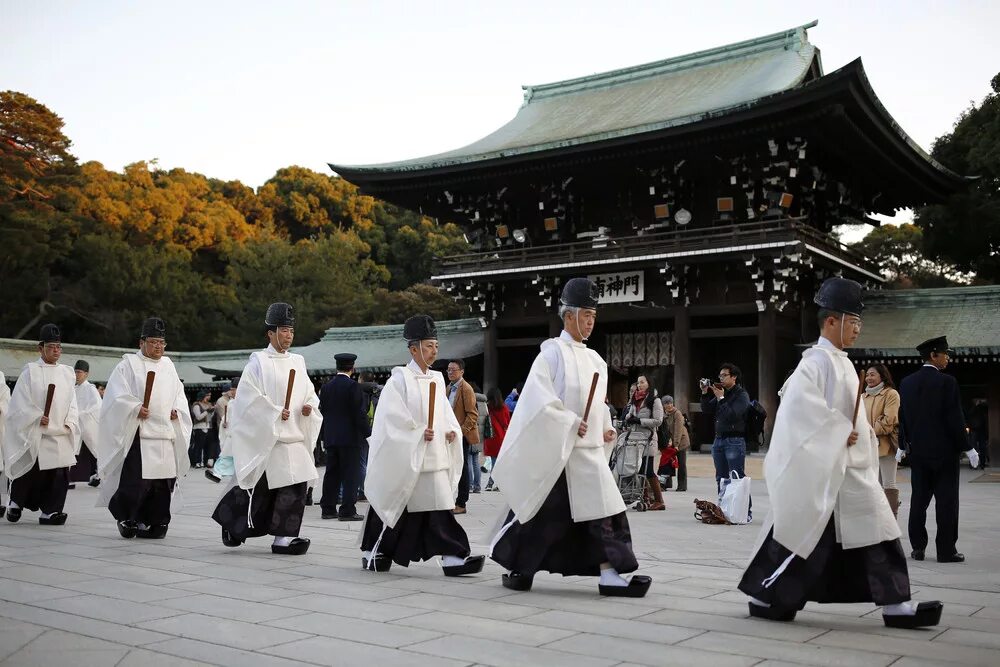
[3,510]
[953,558]
[637,587]
[516,581]
[928,613]
[71,485]
[229,540]
[13,514]
[771,613]
[57,519]
[379,563]
[127,529]
[330,515]
[94,482]
[299,546]
[309,497]
[472,565]
[213,476]
[355,517]
[157,532]
[917,554]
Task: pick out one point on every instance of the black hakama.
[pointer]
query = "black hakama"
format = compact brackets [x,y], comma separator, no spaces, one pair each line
[85,468]
[417,536]
[553,542]
[144,501]
[875,573]
[43,490]
[262,510]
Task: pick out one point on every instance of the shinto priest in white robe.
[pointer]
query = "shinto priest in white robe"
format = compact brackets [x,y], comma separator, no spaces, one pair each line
[139,460]
[88,403]
[567,514]
[270,456]
[4,403]
[827,505]
[37,458]
[411,484]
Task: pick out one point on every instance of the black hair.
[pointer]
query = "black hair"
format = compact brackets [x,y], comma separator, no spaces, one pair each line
[494,398]
[458,362]
[367,376]
[733,369]
[883,373]
[824,313]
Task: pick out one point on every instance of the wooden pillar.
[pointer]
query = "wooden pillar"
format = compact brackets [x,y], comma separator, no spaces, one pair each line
[490,357]
[993,407]
[682,359]
[767,367]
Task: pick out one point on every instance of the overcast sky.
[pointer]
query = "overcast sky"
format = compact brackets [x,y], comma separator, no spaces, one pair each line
[236,90]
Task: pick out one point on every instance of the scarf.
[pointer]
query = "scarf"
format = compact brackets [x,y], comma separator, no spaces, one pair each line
[871,391]
[638,397]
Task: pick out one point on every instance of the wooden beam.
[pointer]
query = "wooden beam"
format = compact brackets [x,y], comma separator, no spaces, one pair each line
[531,341]
[724,332]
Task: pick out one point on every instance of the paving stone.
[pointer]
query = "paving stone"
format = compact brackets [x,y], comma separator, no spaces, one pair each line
[108,609]
[353,629]
[638,630]
[529,632]
[331,651]
[88,627]
[16,634]
[216,654]
[346,589]
[54,647]
[126,590]
[804,653]
[502,610]
[138,657]
[363,609]
[646,653]
[43,575]
[224,588]
[945,652]
[23,591]
[237,634]
[231,608]
[796,632]
[970,638]
[500,654]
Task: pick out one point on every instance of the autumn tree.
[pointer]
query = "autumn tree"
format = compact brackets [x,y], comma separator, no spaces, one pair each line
[898,252]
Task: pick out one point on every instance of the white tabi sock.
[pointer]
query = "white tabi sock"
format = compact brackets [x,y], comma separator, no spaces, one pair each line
[759,603]
[282,541]
[46,516]
[142,526]
[452,561]
[367,555]
[610,577]
[11,505]
[908,608]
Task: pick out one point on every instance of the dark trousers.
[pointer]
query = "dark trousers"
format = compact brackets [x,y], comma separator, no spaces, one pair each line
[43,490]
[682,470]
[941,483]
[86,465]
[199,443]
[145,501]
[264,511]
[463,483]
[343,467]
[416,536]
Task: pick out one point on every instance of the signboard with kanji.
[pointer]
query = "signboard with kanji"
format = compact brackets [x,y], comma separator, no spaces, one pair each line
[620,287]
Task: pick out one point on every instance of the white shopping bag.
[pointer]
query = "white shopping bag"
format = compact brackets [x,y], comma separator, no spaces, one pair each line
[734,498]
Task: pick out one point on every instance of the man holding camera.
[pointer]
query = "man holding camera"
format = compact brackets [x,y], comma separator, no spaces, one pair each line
[728,401]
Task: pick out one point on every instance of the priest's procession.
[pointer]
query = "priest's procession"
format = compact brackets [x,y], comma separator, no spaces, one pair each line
[690,355]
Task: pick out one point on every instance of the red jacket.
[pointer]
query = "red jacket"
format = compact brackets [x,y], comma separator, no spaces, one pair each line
[500,420]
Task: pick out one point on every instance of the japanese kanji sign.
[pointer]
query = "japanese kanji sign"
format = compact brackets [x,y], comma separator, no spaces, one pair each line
[620,287]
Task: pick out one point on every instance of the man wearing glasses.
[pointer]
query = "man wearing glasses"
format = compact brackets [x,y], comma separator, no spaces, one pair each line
[728,402]
[41,431]
[142,448]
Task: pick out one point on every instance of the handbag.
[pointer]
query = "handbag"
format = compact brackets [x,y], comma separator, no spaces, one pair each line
[708,512]
[735,498]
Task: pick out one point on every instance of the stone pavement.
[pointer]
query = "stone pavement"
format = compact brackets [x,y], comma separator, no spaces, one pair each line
[80,595]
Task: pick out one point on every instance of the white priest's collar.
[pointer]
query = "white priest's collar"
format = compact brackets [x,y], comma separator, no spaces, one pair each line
[42,362]
[827,345]
[143,357]
[566,336]
[415,367]
[271,352]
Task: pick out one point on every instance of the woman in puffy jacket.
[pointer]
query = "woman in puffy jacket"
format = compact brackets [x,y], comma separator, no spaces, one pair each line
[499,416]
[882,407]
[644,415]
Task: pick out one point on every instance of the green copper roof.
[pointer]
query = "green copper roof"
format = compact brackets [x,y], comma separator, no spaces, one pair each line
[638,99]
[896,321]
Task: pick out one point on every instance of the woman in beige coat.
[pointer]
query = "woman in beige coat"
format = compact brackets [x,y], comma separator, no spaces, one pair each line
[882,407]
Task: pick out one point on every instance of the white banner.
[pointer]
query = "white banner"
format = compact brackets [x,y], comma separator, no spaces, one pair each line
[620,287]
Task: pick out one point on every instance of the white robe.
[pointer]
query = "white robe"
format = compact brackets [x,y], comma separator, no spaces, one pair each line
[541,441]
[258,440]
[25,440]
[88,405]
[810,471]
[163,441]
[4,403]
[404,471]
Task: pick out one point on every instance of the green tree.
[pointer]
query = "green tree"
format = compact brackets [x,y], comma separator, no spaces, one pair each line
[897,250]
[965,230]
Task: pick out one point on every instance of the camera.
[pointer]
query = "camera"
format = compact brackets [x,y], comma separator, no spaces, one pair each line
[704,383]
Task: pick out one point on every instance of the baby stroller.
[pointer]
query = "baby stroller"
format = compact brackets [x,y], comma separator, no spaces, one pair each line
[626,465]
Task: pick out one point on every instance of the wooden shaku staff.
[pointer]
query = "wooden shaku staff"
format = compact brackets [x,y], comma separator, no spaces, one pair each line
[590,399]
[49,395]
[150,378]
[430,406]
[288,391]
[225,416]
[857,399]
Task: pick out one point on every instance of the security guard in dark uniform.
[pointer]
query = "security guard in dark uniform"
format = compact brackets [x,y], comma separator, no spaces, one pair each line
[345,427]
[932,431]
